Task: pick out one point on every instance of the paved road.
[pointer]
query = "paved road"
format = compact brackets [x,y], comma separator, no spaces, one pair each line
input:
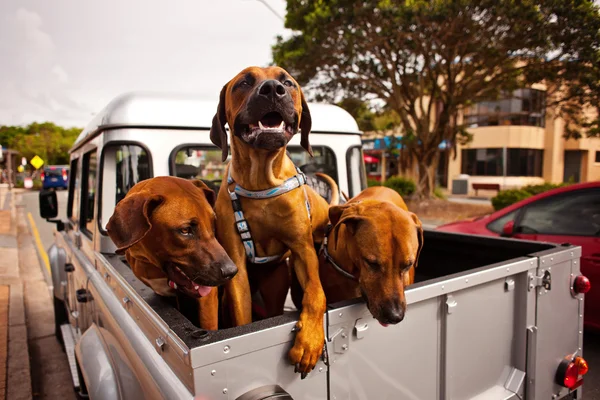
[591,341]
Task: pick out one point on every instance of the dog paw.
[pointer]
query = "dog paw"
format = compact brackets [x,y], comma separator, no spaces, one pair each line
[307,350]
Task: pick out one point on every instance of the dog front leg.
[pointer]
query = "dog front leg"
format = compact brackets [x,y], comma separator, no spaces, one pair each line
[310,336]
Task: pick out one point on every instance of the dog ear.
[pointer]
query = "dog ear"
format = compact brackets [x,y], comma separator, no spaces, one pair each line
[130,221]
[210,195]
[419,226]
[218,134]
[305,125]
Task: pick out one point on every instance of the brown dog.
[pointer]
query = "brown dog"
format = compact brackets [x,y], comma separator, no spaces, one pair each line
[376,242]
[165,227]
[264,108]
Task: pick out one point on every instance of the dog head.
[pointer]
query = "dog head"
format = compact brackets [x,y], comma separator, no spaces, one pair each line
[169,223]
[264,108]
[384,242]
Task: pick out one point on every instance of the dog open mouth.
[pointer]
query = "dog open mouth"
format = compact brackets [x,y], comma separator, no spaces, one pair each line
[271,131]
[179,280]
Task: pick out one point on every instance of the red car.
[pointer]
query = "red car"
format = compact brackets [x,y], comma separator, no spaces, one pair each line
[569,214]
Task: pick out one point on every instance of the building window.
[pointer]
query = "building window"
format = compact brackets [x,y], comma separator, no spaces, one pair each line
[482,162]
[524,162]
[598,156]
[524,107]
[490,162]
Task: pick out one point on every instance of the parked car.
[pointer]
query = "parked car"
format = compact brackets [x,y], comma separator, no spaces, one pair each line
[570,214]
[55,177]
[489,318]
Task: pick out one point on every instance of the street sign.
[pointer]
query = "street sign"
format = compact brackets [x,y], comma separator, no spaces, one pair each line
[37,162]
[28,183]
[23,161]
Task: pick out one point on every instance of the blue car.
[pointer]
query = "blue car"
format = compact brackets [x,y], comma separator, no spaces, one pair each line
[55,177]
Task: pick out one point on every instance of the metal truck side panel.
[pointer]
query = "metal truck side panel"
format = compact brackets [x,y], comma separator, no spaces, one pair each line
[559,321]
[236,376]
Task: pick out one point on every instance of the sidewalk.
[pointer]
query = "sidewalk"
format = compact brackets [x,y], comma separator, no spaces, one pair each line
[15,378]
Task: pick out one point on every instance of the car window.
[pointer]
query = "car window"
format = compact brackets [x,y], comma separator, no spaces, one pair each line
[574,213]
[73,191]
[323,160]
[88,191]
[197,162]
[123,166]
[497,225]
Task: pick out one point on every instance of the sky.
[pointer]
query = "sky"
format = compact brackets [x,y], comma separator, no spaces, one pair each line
[64,60]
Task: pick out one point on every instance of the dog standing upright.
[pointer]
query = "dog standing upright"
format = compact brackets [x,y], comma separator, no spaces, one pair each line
[165,228]
[265,211]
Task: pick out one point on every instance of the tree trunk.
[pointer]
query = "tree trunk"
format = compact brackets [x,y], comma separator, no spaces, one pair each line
[426,177]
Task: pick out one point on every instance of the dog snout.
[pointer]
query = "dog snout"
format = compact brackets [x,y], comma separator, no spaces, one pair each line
[272,89]
[392,314]
[228,269]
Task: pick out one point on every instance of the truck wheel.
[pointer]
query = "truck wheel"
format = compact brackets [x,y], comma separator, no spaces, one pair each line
[266,392]
[60,318]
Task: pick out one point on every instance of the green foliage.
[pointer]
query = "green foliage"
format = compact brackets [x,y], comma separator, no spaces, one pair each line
[544,187]
[366,118]
[505,198]
[47,140]
[373,182]
[404,186]
[438,193]
[454,52]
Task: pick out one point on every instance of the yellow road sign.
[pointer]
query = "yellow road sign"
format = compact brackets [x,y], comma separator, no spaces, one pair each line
[37,162]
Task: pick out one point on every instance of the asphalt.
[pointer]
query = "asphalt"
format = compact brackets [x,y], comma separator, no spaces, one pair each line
[50,377]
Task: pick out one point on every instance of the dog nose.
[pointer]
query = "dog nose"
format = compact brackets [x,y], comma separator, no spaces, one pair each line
[392,314]
[228,269]
[272,89]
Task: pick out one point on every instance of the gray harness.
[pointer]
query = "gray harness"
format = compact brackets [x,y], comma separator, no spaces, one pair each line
[330,259]
[241,224]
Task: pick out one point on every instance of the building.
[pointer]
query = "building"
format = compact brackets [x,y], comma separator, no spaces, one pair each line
[516,142]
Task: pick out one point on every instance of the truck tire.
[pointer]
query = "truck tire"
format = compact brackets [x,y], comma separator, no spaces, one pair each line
[60,318]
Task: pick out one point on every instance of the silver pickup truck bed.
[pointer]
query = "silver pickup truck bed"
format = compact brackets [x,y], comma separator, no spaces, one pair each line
[479,326]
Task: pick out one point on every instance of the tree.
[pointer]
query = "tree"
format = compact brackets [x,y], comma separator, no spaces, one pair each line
[428,59]
[47,140]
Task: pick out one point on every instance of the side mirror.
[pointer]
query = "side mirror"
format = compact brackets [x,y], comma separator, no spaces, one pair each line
[508,229]
[48,204]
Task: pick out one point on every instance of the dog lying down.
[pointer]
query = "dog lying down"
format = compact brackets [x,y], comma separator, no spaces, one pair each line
[165,226]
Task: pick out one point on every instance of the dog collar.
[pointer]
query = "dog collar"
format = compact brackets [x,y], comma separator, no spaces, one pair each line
[288,185]
[330,259]
[241,223]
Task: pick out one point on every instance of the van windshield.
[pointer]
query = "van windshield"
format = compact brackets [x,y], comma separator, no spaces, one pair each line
[198,162]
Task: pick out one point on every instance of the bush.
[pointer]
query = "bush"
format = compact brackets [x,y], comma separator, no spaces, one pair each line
[507,197]
[544,187]
[404,186]
[438,193]
[373,182]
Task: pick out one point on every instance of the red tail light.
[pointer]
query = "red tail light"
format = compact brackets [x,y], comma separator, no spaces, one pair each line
[581,285]
[570,370]
[42,175]
[64,174]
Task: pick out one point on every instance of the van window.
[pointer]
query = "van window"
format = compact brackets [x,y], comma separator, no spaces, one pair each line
[323,160]
[73,192]
[88,192]
[197,162]
[123,166]
[357,177]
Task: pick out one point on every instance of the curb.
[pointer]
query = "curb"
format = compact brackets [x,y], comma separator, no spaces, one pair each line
[18,372]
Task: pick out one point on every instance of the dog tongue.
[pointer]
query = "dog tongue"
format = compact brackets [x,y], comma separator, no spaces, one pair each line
[384,325]
[204,290]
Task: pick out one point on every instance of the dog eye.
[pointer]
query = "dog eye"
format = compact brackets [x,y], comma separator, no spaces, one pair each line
[244,83]
[186,231]
[288,83]
[374,264]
